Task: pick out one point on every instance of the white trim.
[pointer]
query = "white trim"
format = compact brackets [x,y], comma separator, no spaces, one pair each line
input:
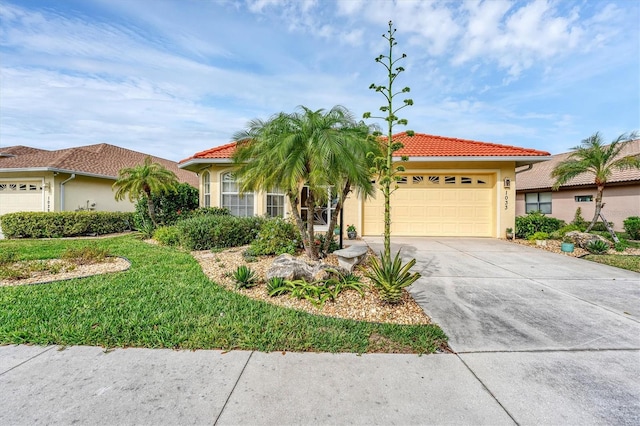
[51,169]
[520,160]
[205,161]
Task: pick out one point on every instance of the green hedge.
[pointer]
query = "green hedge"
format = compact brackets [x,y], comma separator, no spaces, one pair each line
[632,227]
[536,222]
[63,224]
[209,232]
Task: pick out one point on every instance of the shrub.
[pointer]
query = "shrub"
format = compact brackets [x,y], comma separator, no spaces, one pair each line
[64,224]
[169,207]
[390,277]
[632,227]
[536,222]
[215,231]
[167,235]
[597,247]
[621,245]
[244,277]
[579,221]
[208,211]
[568,228]
[538,236]
[333,245]
[276,236]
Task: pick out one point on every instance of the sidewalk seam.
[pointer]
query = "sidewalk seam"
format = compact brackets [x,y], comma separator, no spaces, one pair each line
[24,362]
[488,390]
[233,389]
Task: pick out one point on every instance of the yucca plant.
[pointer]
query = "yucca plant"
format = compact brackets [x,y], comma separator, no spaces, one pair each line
[244,277]
[598,247]
[391,276]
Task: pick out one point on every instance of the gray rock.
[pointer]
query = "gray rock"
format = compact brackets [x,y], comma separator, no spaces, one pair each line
[291,268]
[582,239]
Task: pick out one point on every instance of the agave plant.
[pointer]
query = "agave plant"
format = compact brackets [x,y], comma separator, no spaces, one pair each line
[391,276]
[597,247]
[277,286]
[244,277]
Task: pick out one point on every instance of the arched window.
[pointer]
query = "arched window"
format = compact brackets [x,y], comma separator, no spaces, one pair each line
[238,205]
[206,189]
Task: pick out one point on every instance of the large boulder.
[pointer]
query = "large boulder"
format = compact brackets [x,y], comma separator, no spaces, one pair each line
[291,268]
[582,239]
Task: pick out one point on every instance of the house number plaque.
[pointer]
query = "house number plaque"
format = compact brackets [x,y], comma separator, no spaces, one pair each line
[506,200]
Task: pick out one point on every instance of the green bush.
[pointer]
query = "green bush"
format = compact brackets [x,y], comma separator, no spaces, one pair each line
[538,236]
[276,236]
[208,211]
[167,235]
[536,222]
[7,257]
[579,221]
[569,228]
[333,245]
[169,207]
[64,224]
[244,277]
[214,231]
[632,227]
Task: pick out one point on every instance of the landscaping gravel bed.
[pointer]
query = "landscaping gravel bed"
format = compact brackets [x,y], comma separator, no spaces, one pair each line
[219,267]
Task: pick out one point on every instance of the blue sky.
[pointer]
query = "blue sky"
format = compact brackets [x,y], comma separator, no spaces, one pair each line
[171,78]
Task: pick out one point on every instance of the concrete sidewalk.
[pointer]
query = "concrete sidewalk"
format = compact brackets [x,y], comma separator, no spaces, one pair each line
[85,385]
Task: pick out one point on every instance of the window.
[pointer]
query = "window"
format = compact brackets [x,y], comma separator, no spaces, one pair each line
[535,201]
[238,205]
[583,198]
[434,179]
[401,180]
[323,213]
[206,189]
[449,180]
[466,180]
[417,180]
[275,203]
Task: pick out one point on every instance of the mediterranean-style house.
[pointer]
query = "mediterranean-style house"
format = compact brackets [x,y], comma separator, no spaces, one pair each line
[33,179]
[451,187]
[621,194]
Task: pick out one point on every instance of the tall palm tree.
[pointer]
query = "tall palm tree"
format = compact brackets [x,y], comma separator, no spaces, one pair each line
[318,149]
[594,157]
[144,180]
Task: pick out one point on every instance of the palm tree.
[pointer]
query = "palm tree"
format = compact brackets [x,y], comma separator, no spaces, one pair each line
[594,157]
[144,180]
[317,149]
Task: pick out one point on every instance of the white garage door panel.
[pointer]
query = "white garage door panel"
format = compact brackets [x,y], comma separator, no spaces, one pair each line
[431,207]
[20,196]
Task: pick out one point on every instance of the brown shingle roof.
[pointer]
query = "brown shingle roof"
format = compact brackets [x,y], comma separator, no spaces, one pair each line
[539,177]
[102,160]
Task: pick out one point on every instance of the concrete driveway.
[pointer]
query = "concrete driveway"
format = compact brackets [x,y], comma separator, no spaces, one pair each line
[544,332]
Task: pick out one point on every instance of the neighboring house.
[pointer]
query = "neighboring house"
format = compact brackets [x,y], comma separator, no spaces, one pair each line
[70,179]
[621,194]
[451,187]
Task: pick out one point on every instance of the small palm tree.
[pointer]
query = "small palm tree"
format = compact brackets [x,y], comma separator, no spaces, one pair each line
[144,180]
[594,157]
[318,149]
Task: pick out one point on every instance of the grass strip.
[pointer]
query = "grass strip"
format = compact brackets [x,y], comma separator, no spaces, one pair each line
[165,301]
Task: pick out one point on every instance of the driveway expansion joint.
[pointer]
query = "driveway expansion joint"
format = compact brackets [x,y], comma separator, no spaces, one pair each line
[233,389]
[488,390]
[25,361]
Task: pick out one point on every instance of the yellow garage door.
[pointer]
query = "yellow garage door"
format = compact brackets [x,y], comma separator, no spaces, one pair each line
[457,205]
[20,196]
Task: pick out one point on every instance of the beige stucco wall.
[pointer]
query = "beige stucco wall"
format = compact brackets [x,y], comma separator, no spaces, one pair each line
[84,191]
[620,203]
[505,206]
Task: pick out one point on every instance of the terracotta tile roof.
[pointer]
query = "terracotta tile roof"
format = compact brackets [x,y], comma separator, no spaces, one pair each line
[99,160]
[423,145]
[539,177]
[419,145]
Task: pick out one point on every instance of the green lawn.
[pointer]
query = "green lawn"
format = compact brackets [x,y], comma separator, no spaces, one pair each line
[631,263]
[165,301]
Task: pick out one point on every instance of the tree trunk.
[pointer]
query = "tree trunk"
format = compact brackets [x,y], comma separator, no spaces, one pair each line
[306,241]
[598,207]
[311,249]
[334,217]
[151,208]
